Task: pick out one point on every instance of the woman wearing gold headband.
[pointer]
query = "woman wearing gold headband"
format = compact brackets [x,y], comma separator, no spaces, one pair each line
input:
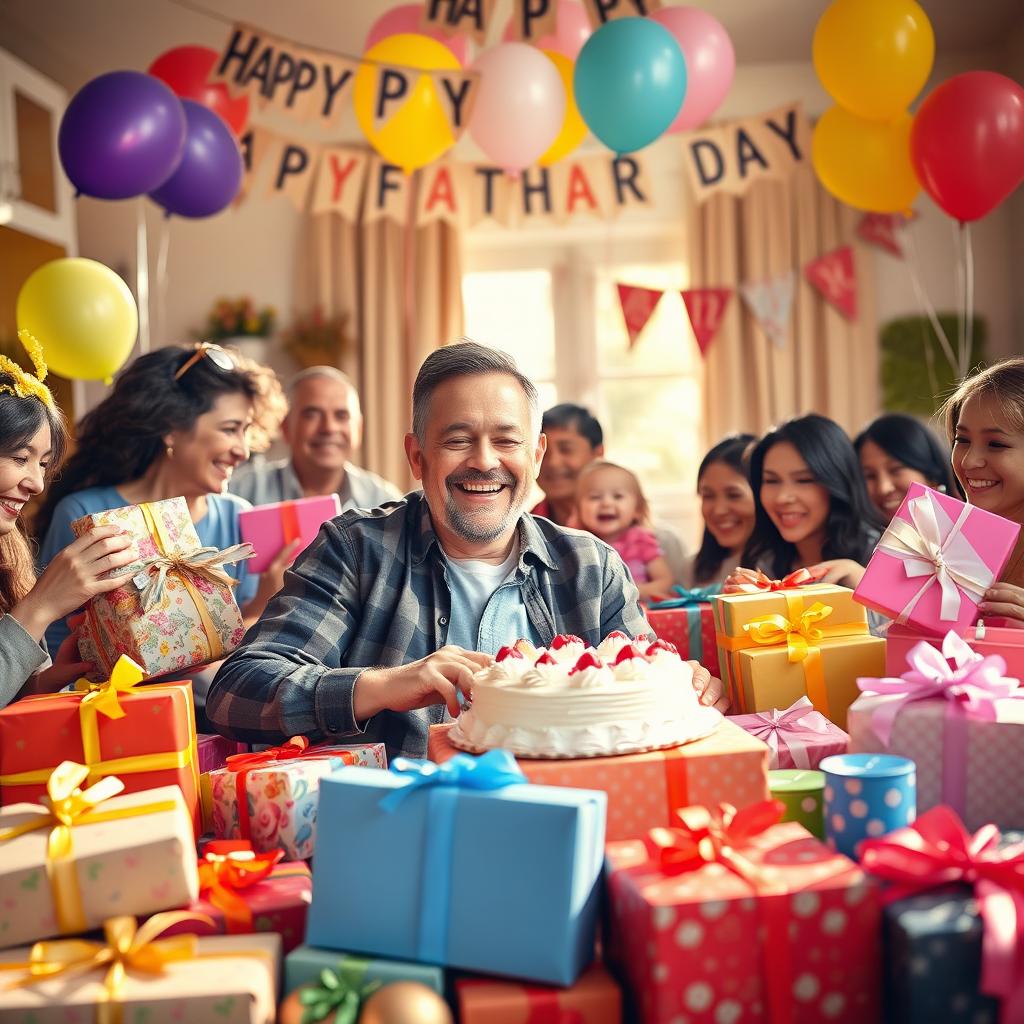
[32,443]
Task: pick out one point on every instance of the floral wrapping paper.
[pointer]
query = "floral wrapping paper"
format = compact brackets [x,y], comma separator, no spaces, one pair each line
[283,798]
[171,636]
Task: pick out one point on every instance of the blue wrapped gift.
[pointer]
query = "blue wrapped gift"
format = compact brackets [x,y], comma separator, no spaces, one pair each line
[462,864]
[304,964]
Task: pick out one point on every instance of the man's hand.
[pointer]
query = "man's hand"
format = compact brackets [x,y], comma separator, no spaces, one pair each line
[709,689]
[420,684]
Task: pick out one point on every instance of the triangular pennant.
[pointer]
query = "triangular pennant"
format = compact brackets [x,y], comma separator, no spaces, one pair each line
[880,229]
[393,87]
[457,92]
[637,307]
[706,307]
[770,302]
[472,19]
[833,275]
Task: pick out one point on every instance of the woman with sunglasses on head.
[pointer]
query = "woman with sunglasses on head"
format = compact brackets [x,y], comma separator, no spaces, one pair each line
[177,423]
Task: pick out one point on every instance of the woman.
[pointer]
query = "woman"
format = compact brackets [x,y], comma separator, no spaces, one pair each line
[177,423]
[727,506]
[897,450]
[32,442]
[811,508]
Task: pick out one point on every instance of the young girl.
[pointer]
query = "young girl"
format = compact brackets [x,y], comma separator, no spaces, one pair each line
[984,421]
[897,450]
[611,505]
[727,507]
[811,508]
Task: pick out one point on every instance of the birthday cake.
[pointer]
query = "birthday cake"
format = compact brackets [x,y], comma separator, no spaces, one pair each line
[570,700]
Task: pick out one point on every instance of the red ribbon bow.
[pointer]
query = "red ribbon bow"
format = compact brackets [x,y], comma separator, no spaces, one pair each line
[228,866]
[753,581]
[937,850]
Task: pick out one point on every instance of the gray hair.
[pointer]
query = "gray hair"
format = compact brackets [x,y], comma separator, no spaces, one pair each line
[326,372]
[465,358]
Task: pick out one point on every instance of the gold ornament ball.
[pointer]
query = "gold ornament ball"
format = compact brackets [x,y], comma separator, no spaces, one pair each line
[405,1002]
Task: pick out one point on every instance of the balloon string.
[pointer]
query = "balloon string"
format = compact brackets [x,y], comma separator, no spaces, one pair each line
[923,301]
[161,279]
[961,301]
[142,276]
[969,295]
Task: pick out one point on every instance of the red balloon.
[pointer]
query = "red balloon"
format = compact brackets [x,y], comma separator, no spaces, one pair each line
[967,143]
[186,70]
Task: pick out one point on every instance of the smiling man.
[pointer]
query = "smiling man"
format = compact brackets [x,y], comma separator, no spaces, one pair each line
[389,613]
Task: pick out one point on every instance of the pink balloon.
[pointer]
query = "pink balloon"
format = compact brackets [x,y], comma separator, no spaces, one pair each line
[406,18]
[572,30]
[710,63]
[520,105]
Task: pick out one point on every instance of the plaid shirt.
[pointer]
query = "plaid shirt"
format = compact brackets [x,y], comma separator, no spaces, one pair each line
[371,591]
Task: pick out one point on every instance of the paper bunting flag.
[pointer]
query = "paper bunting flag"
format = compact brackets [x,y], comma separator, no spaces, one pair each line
[770,302]
[706,307]
[833,275]
[880,229]
[637,306]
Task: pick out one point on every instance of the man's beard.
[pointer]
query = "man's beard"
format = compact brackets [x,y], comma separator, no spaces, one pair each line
[465,524]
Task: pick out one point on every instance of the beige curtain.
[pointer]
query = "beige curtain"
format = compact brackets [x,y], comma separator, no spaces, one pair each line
[402,289]
[828,365]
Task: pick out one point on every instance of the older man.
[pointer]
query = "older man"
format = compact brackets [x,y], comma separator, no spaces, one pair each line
[323,428]
[390,612]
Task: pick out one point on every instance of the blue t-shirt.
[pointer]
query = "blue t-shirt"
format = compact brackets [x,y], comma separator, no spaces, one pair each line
[217,529]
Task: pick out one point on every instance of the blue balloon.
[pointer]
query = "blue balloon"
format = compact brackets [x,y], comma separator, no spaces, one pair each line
[629,82]
[210,173]
[122,135]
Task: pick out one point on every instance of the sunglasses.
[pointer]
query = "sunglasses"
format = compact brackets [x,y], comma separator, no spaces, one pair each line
[205,349]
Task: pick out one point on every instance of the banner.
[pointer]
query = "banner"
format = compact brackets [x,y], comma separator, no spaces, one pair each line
[601,11]
[771,302]
[834,277]
[705,308]
[340,181]
[880,229]
[638,305]
[455,17]
[731,157]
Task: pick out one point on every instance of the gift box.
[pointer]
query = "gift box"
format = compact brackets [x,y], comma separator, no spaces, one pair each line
[950,952]
[983,639]
[594,999]
[935,561]
[227,979]
[644,790]
[109,853]
[801,791]
[302,966]
[270,797]
[776,646]
[145,735]
[463,865]
[733,917]
[688,622]
[961,720]
[798,737]
[271,528]
[178,610]
[241,892]
[213,751]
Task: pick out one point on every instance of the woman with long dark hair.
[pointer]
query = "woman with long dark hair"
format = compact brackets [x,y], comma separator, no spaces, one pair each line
[177,423]
[812,509]
[897,450]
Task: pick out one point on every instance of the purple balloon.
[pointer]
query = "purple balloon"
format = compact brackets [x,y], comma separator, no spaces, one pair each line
[210,173]
[122,135]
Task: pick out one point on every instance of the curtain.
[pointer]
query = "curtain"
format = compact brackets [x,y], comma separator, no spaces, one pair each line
[828,364]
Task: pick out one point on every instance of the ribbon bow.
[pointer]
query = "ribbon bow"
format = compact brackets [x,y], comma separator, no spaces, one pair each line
[937,850]
[493,770]
[68,803]
[938,551]
[796,727]
[224,869]
[203,562]
[799,636]
[753,581]
[686,598]
[103,698]
[339,992]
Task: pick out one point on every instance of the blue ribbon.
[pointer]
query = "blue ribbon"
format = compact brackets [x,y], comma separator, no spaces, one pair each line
[687,598]
[442,782]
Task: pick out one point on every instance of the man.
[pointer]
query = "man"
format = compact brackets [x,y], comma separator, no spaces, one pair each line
[390,612]
[323,428]
[575,439]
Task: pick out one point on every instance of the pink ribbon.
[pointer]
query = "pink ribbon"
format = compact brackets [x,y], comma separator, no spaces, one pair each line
[796,727]
[937,850]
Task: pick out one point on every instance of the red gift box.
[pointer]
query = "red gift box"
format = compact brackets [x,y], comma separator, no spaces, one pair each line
[691,630]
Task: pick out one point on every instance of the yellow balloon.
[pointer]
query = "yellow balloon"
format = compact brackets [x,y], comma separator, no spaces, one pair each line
[574,128]
[414,130]
[864,163]
[83,315]
[874,56]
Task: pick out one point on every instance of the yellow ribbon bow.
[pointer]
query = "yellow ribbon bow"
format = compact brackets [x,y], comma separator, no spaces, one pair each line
[102,698]
[799,636]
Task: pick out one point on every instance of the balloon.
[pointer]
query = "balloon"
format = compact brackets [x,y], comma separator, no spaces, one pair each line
[520,105]
[630,81]
[122,135]
[210,173]
[572,30]
[874,56]
[405,1002]
[418,131]
[864,163]
[407,19]
[710,62]
[186,70]
[574,128]
[83,315]
[967,143]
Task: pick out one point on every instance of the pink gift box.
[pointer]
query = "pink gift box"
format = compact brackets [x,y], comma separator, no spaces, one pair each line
[902,579]
[798,737]
[214,750]
[270,528]
[1007,642]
